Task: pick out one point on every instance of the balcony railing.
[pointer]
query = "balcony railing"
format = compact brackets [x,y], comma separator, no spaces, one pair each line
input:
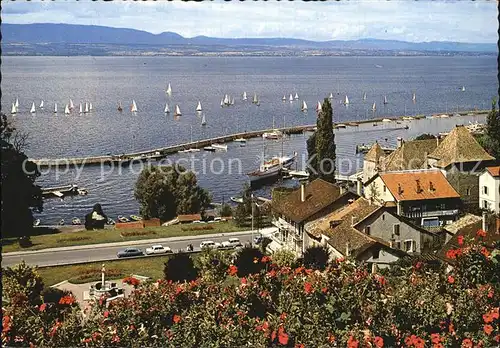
[433,213]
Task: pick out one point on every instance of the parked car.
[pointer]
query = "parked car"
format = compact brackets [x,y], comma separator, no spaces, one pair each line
[130,252]
[232,243]
[158,249]
[209,244]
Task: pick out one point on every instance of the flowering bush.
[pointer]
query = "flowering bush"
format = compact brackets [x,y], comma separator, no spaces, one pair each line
[344,306]
[132,281]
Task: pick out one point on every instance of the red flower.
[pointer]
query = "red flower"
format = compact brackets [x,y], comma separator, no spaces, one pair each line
[381,280]
[467,343]
[106,314]
[69,300]
[481,233]
[43,306]
[451,280]
[232,270]
[488,329]
[6,323]
[352,342]
[273,336]
[265,259]
[131,281]
[283,316]
[451,254]
[324,290]
[435,338]
[115,339]
[299,345]
[485,252]
[460,240]
[177,318]
[308,288]
[451,328]
[418,265]
[378,341]
[272,273]
[283,338]
[331,338]
[243,280]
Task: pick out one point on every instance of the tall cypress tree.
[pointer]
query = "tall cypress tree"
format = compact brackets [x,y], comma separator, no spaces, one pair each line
[493,131]
[324,146]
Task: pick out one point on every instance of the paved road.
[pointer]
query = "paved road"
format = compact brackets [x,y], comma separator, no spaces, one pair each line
[103,252]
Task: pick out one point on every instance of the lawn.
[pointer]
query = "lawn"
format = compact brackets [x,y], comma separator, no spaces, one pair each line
[62,238]
[118,269]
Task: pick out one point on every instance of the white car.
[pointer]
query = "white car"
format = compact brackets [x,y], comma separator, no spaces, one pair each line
[158,249]
[232,243]
[209,244]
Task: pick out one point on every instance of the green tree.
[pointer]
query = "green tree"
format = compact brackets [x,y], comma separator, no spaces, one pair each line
[179,268]
[284,258]
[492,134]
[20,195]
[248,261]
[164,192]
[425,136]
[322,155]
[226,210]
[22,280]
[213,264]
[316,257]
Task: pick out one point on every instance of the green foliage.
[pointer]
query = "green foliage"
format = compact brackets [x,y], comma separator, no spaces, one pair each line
[226,210]
[213,264]
[491,139]
[425,136]
[180,267]
[322,145]
[284,258]
[240,215]
[20,195]
[22,280]
[316,257]
[165,192]
[248,261]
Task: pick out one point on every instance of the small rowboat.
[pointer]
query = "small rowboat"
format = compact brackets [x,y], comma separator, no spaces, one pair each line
[110,222]
[135,218]
[36,222]
[61,222]
[237,199]
[123,219]
[76,221]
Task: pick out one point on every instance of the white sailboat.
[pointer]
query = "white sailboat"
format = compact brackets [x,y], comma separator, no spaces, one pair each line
[255,99]
[203,121]
[32,110]
[463,88]
[66,110]
[167,110]
[193,149]
[244,96]
[346,100]
[374,107]
[71,106]
[13,110]
[90,107]
[55,108]
[198,108]
[226,99]
[86,107]
[296,96]
[414,97]
[169,90]
[232,101]
[177,111]
[222,103]
[290,98]
[41,104]
[385,99]
[133,107]
[81,108]
[304,106]
[284,98]
[17,104]
[318,107]
[364,96]
[330,96]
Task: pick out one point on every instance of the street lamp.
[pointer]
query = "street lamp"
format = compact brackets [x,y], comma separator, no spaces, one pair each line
[251,202]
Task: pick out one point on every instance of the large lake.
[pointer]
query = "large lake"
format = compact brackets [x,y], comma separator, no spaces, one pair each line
[106,81]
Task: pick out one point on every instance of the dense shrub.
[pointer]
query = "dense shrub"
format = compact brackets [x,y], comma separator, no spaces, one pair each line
[137,233]
[247,261]
[316,257]
[345,305]
[25,242]
[179,268]
[198,228]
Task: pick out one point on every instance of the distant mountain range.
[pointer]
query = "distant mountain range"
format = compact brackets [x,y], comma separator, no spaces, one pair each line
[25,38]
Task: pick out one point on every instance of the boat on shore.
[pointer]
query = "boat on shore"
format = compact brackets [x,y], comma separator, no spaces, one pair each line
[220,146]
[238,200]
[76,221]
[135,218]
[110,221]
[122,219]
[61,222]
[36,222]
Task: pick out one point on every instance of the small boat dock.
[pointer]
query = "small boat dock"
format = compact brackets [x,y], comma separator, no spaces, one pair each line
[62,191]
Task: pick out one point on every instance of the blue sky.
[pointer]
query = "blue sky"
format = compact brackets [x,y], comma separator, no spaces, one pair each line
[416,21]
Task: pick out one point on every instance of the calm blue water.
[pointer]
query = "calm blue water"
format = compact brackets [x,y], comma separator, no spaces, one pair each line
[105,81]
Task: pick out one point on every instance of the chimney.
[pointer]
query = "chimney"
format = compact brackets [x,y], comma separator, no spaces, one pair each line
[302,191]
[419,188]
[400,189]
[484,220]
[400,142]
[359,187]
[431,187]
[347,249]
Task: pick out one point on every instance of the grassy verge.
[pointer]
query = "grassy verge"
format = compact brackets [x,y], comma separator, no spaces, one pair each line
[148,266]
[62,238]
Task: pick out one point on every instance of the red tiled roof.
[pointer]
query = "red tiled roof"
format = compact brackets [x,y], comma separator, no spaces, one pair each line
[494,171]
[412,186]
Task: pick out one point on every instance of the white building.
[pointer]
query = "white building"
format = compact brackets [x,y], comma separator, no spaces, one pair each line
[489,189]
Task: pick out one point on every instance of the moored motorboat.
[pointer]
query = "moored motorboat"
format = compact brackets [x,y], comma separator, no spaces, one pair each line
[209,148]
[220,146]
[36,222]
[135,218]
[237,199]
[340,125]
[122,219]
[76,221]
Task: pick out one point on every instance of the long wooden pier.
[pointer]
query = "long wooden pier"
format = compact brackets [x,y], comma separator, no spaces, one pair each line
[156,154]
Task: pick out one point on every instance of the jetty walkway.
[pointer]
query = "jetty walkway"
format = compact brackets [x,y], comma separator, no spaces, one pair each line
[160,153]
